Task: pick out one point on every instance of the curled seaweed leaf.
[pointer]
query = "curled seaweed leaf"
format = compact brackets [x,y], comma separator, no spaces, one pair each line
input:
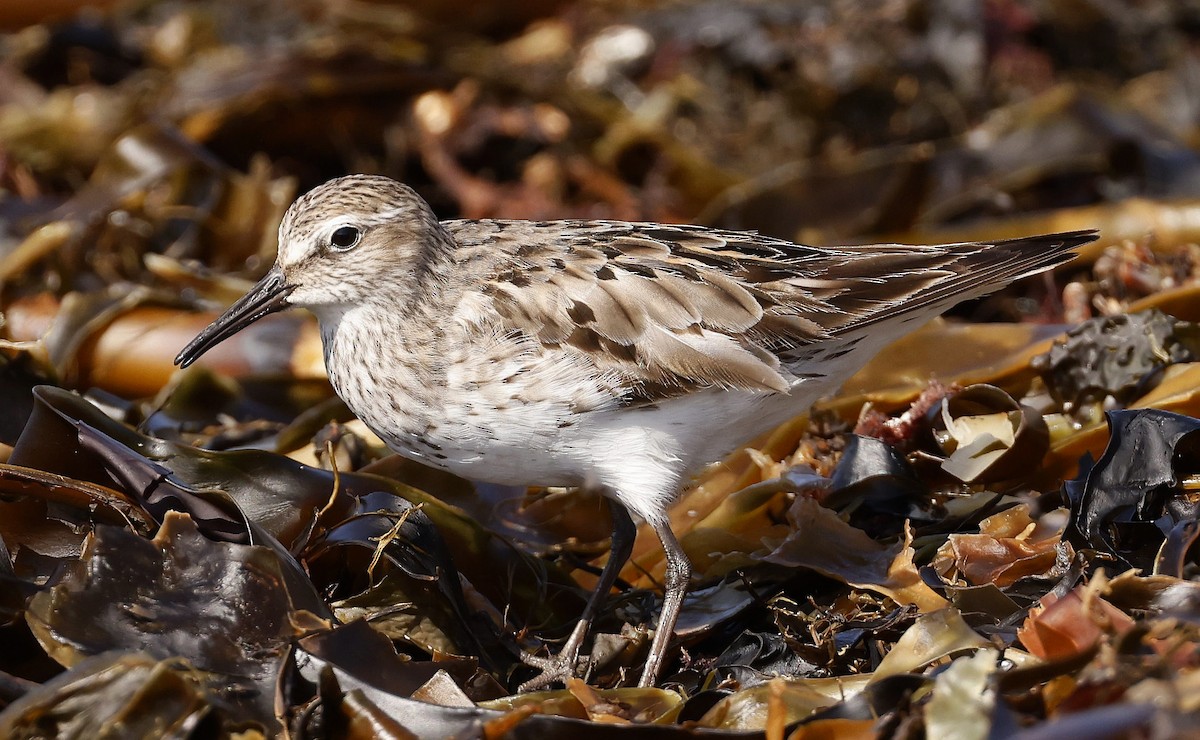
[988,436]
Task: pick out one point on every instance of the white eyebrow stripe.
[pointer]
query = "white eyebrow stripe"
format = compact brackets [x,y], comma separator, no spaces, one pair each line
[389,214]
[330,224]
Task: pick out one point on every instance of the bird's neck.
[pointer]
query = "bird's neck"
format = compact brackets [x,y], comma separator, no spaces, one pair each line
[385,350]
[384,365]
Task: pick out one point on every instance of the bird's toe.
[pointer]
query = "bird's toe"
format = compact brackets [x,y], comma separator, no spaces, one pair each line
[555,669]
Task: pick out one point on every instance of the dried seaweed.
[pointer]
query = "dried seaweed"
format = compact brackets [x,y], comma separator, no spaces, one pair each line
[1119,356]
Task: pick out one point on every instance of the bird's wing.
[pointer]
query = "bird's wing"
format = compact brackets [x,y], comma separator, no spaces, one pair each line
[668,309]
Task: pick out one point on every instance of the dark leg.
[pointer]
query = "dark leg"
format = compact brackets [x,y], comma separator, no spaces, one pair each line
[562,666]
[679,570]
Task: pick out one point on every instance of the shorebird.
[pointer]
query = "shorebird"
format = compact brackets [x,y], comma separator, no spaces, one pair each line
[621,356]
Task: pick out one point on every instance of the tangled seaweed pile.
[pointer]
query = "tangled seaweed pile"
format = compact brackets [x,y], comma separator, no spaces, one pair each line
[988,531]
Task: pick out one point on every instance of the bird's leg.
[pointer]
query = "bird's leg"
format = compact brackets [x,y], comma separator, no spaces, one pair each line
[679,570]
[563,666]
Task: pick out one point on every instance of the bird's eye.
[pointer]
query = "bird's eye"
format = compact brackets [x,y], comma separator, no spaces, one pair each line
[344,237]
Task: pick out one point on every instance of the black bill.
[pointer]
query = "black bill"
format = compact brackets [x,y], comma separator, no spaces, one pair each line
[267,296]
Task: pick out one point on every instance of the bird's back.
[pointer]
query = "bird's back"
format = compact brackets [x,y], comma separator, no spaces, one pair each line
[669,310]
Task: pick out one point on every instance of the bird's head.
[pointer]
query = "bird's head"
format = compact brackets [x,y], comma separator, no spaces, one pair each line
[343,243]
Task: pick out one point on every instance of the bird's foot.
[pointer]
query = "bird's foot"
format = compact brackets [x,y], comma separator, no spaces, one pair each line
[555,668]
